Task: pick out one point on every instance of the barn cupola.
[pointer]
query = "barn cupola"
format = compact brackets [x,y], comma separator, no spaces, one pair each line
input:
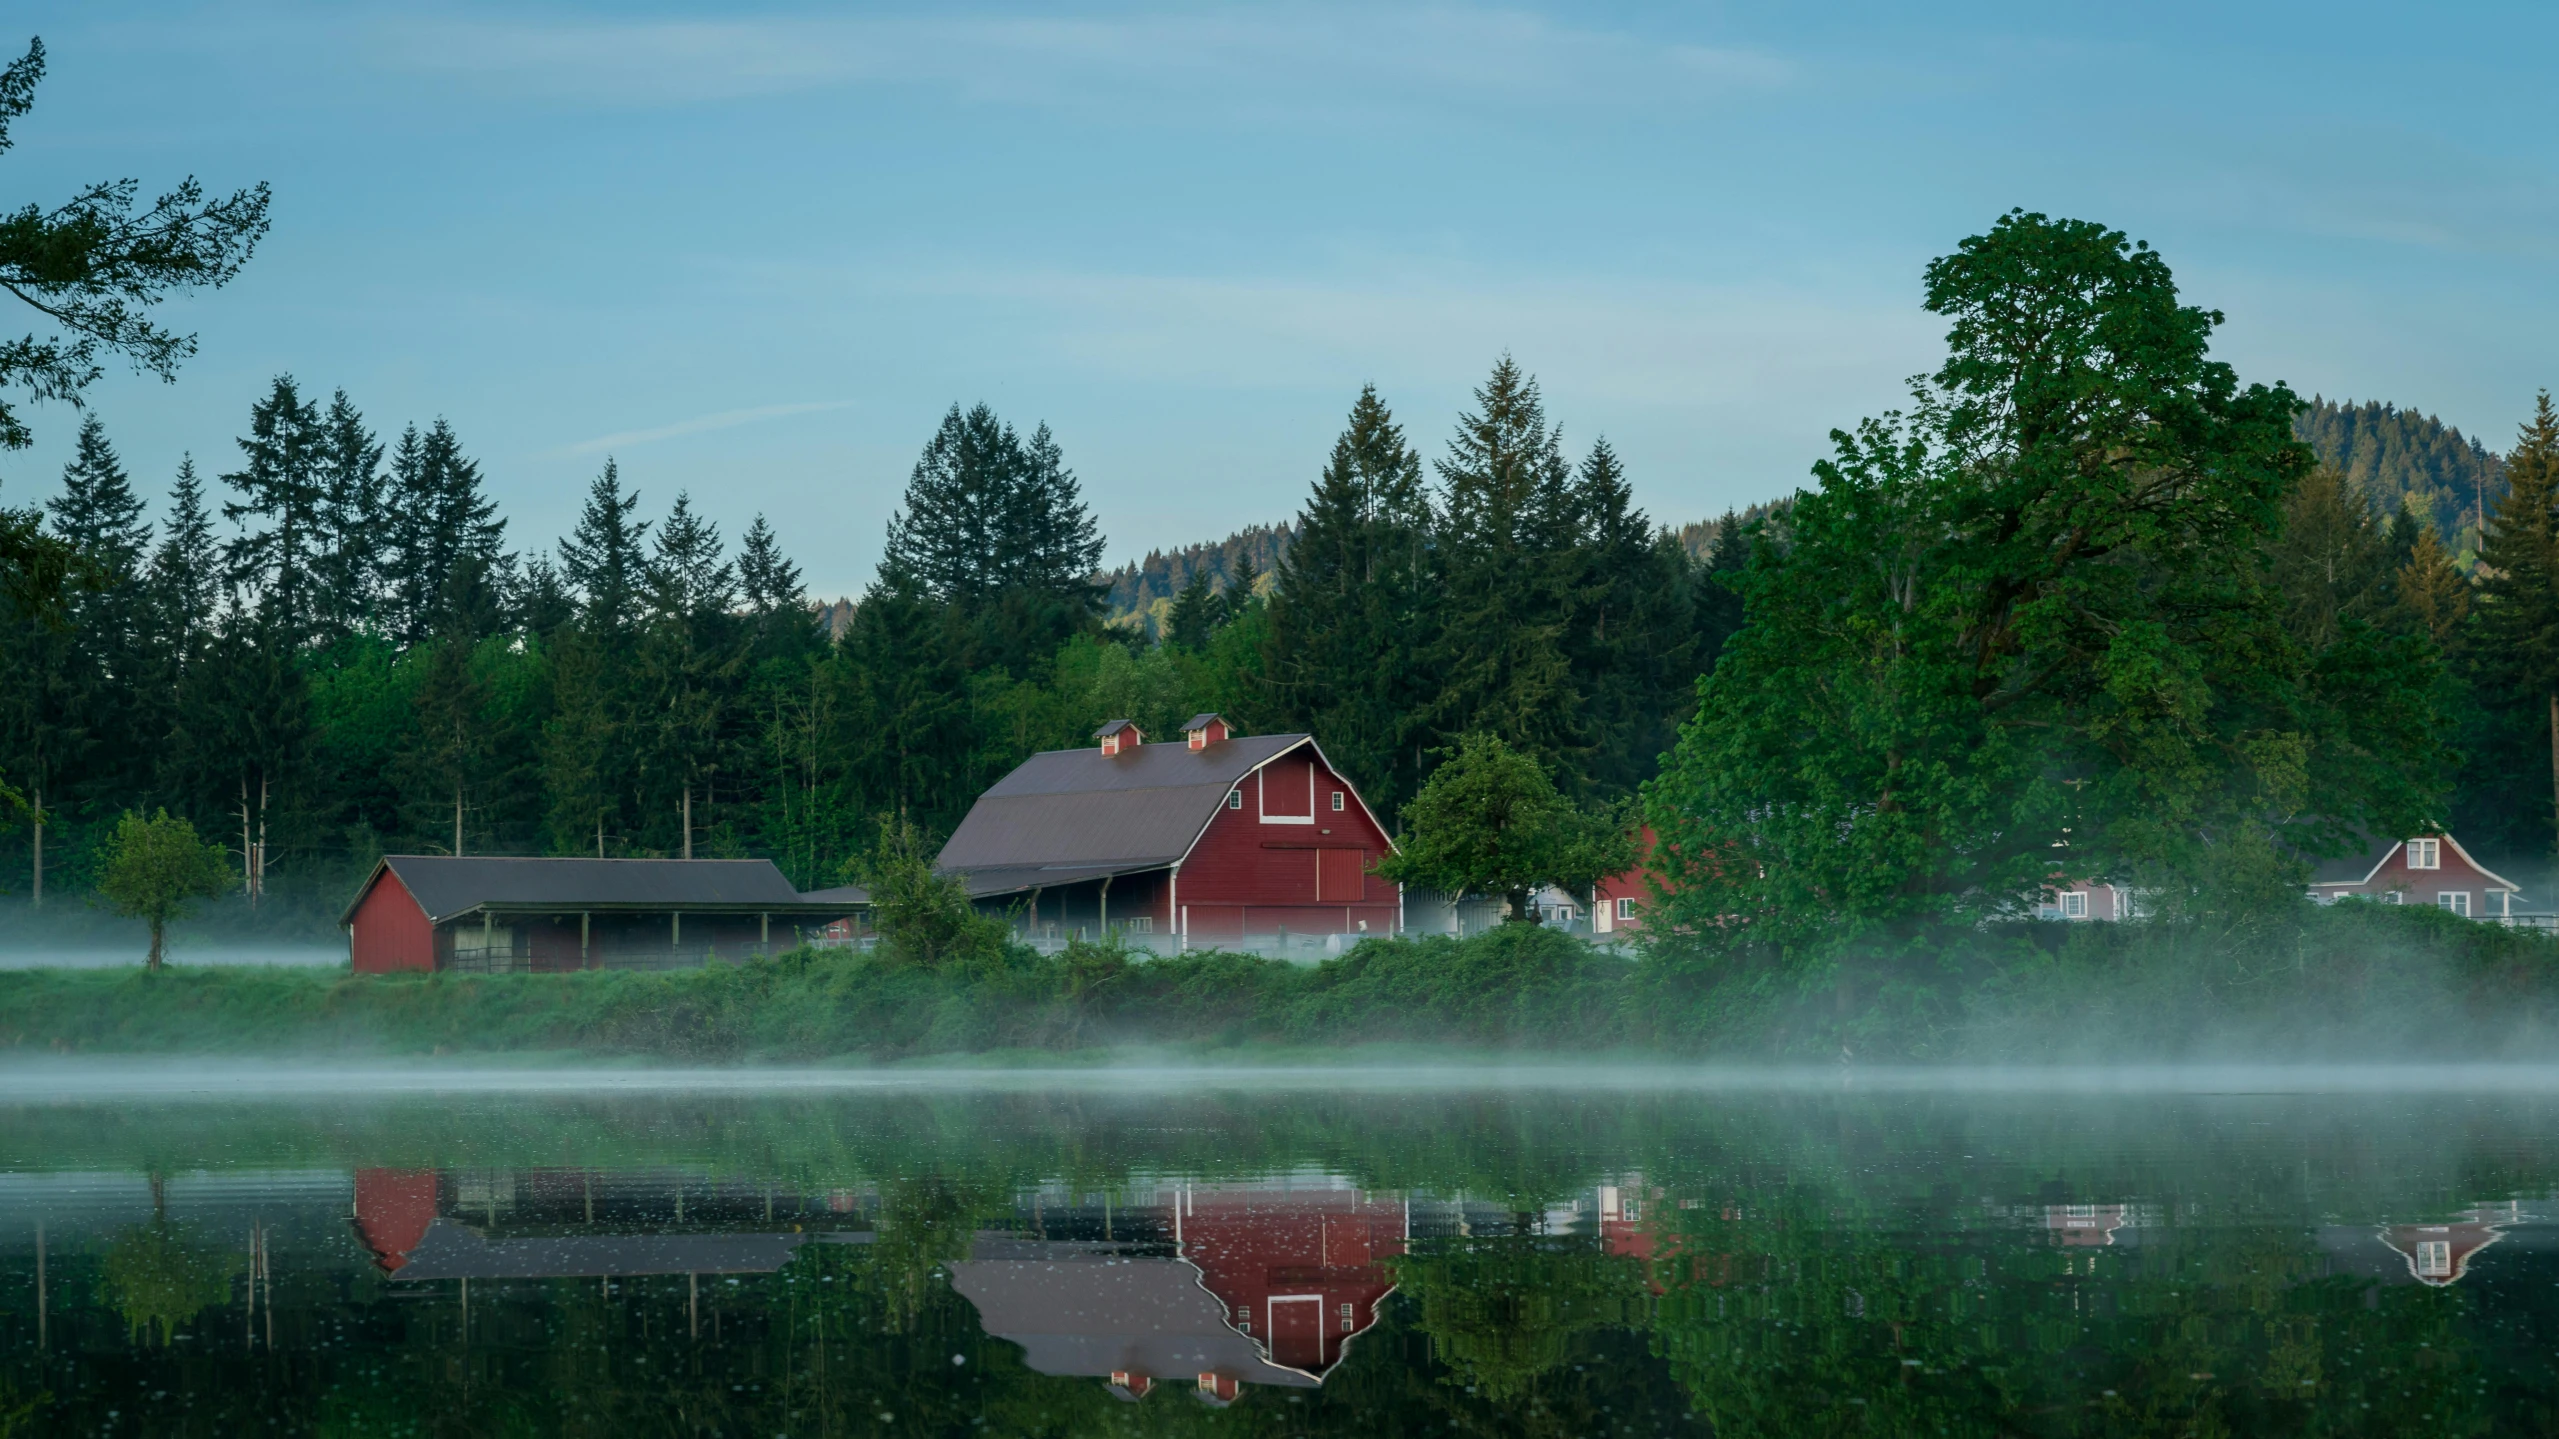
[1204,730]
[1119,735]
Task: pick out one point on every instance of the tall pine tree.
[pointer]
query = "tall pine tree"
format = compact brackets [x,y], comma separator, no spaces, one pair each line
[445,542]
[995,530]
[1632,638]
[1351,614]
[1505,564]
[283,492]
[2516,645]
[352,518]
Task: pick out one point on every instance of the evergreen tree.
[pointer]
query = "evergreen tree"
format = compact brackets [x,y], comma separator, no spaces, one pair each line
[94,268]
[1195,615]
[97,512]
[1631,635]
[1716,597]
[688,576]
[994,529]
[185,584]
[766,576]
[283,489]
[446,542]
[2516,645]
[107,651]
[2430,597]
[353,518]
[1504,557]
[446,769]
[604,558]
[2331,561]
[1351,612]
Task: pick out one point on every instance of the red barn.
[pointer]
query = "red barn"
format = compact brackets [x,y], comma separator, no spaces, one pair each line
[2429,869]
[1218,838]
[498,915]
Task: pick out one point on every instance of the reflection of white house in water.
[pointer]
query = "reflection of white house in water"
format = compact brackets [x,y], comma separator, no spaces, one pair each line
[2440,1254]
[2085,1225]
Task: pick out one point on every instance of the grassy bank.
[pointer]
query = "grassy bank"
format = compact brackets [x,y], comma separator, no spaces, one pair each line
[2354,982]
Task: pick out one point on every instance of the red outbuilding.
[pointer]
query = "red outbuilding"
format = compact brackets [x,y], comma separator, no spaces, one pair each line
[1219,838]
[500,914]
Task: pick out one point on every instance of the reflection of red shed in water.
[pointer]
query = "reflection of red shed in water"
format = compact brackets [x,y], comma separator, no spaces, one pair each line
[2439,1254]
[393,1208]
[1301,1271]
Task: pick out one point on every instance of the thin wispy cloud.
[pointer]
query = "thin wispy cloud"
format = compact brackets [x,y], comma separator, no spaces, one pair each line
[699,424]
[1303,55]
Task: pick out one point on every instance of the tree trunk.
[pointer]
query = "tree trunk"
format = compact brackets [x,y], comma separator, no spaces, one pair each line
[154,963]
[1518,900]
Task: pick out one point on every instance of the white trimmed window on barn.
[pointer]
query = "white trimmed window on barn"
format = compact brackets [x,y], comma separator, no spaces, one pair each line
[1235,799]
[2456,900]
[2425,854]
[1626,909]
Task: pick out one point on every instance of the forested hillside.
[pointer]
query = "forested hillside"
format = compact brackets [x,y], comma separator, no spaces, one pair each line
[1143,593]
[330,645]
[2400,459]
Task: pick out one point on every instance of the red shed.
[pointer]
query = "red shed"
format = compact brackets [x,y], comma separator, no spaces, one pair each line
[1218,838]
[498,914]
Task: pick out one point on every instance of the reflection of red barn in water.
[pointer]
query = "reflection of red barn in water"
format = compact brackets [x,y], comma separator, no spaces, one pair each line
[393,1208]
[1300,1271]
[2439,1254]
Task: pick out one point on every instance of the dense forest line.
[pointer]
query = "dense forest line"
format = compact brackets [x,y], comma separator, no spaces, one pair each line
[334,648]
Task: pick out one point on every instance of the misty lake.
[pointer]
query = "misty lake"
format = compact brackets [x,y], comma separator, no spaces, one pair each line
[1380,1254]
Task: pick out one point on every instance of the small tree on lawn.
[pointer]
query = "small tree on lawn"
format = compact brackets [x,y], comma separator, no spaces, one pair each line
[154,867]
[925,919]
[1489,821]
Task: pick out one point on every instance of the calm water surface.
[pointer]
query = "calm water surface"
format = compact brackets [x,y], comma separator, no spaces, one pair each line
[1204,1258]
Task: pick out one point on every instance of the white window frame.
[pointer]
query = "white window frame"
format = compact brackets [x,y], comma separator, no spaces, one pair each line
[2456,900]
[1337,801]
[2434,1258]
[2396,896]
[2074,904]
[1235,798]
[1625,909]
[2425,854]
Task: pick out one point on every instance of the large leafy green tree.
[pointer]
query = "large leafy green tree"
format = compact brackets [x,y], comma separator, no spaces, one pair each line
[1490,821]
[94,266]
[2026,628]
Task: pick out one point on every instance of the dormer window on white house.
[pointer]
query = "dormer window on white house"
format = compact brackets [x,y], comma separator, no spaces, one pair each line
[2425,854]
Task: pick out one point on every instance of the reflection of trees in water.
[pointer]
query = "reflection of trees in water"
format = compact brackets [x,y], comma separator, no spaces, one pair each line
[1791,1317]
[1502,1312]
[159,1276]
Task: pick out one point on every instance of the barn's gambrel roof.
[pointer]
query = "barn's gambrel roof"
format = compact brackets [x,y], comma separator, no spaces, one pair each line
[1077,814]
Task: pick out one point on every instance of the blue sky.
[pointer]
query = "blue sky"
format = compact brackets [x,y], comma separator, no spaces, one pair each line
[755,253]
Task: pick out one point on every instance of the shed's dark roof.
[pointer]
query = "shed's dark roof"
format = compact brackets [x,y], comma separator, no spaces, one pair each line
[1079,814]
[841,894]
[445,886]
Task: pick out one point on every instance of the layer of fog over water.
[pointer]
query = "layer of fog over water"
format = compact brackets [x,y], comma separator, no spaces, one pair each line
[51,956]
[245,1249]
